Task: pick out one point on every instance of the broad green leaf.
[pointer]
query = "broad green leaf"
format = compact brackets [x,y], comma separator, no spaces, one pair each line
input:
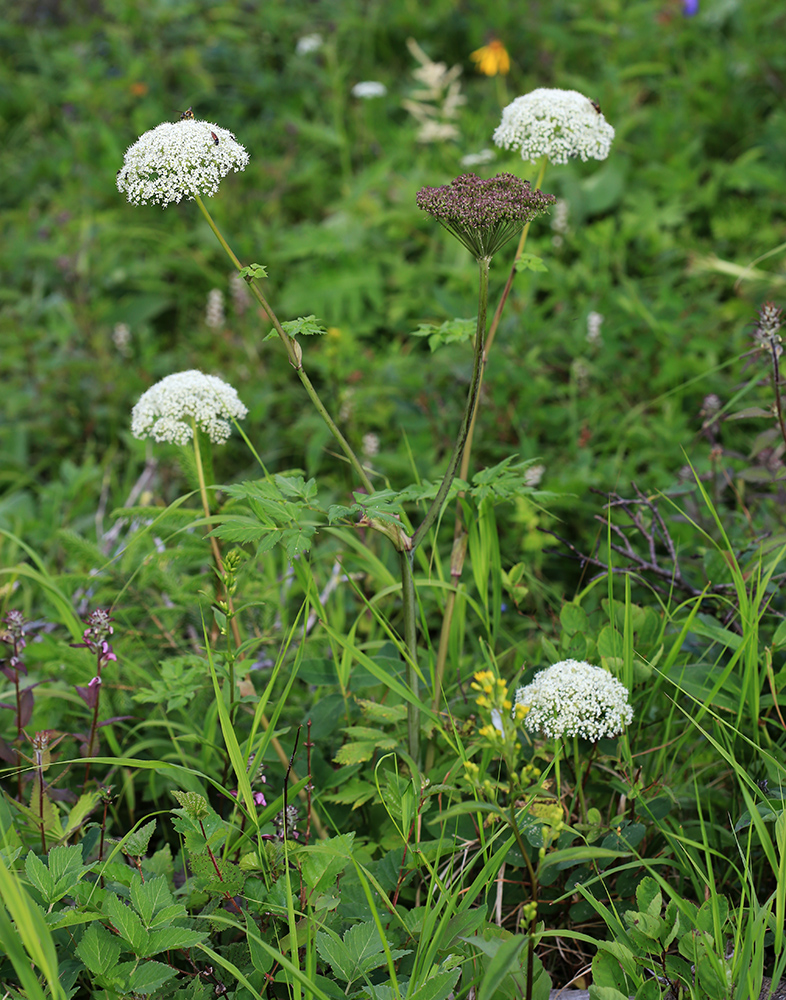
[39,875]
[127,923]
[170,939]
[649,897]
[305,326]
[606,993]
[325,861]
[150,897]
[99,949]
[335,953]
[650,927]
[145,977]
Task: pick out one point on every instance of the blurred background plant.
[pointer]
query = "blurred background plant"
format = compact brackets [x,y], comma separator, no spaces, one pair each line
[627,361]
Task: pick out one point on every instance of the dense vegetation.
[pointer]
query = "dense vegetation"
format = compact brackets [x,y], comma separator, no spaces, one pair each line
[255,742]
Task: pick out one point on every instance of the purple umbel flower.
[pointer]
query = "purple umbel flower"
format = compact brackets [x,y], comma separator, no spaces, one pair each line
[484,214]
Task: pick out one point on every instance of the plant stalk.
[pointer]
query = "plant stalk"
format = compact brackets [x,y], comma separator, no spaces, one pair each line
[295,356]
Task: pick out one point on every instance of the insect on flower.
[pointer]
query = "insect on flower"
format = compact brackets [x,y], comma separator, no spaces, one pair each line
[595,105]
[215,138]
[188,113]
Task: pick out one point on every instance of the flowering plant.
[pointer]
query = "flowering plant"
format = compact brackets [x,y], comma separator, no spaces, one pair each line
[557,124]
[179,160]
[170,409]
[573,698]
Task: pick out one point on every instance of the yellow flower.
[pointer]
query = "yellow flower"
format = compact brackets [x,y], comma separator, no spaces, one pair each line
[521,710]
[492,58]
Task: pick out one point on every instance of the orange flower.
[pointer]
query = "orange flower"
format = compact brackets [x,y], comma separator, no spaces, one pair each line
[138,89]
[492,58]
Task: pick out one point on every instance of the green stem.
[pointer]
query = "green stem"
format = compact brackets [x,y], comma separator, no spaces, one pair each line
[469,411]
[295,356]
[459,545]
[409,607]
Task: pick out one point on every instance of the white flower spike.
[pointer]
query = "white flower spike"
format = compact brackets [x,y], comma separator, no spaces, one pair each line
[573,698]
[555,123]
[166,410]
[178,160]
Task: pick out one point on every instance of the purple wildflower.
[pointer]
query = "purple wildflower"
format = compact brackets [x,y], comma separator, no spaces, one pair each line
[484,214]
[767,328]
[690,7]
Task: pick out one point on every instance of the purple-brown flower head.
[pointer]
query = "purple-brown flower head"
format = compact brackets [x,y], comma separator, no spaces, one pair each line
[769,322]
[484,214]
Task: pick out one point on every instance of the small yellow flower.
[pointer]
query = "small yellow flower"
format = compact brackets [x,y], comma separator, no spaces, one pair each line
[492,58]
[482,701]
[521,710]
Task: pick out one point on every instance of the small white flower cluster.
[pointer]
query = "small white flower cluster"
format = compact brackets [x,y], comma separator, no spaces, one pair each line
[533,475]
[238,289]
[573,698]
[214,313]
[165,412]
[594,323]
[369,88]
[478,159]
[177,160]
[121,338]
[559,221]
[555,123]
[308,43]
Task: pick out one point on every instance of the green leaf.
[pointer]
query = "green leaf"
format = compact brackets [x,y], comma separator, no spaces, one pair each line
[305,326]
[253,271]
[651,927]
[573,618]
[606,993]
[150,897]
[529,262]
[362,750]
[334,952]
[127,923]
[438,986]
[135,843]
[39,875]
[99,949]
[170,939]
[145,977]
[649,897]
[81,809]
[452,331]
[505,960]
[325,861]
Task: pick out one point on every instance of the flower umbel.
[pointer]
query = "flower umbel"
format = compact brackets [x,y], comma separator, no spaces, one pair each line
[484,214]
[555,123]
[492,59]
[573,698]
[179,160]
[166,411]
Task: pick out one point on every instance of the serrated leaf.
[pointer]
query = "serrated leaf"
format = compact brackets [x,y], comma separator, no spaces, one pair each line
[324,862]
[98,949]
[649,897]
[145,977]
[170,939]
[150,897]
[334,952]
[253,271]
[530,262]
[362,750]
[175,911]
[354,793]
[452,331]
[377,712]
[127,923]
[438,986]
[304,326]
[135,843]
[39,875]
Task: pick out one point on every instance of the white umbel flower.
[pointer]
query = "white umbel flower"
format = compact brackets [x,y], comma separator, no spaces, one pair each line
[178,160]
[165,412]
[558,124]
[573,698]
